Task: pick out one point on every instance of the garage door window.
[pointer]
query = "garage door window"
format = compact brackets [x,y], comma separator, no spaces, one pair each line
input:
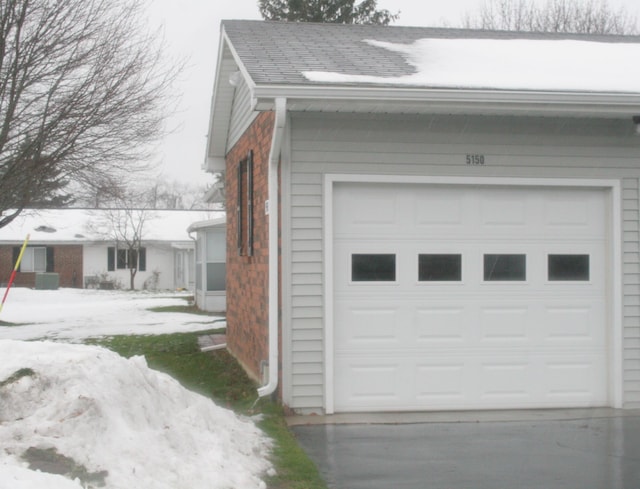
[439,268]
[373,267]
[568,267]
[505,267]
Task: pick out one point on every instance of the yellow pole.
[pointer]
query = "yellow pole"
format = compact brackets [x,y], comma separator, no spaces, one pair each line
[15,270]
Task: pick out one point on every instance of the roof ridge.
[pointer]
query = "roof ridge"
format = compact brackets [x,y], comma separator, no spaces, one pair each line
[441,30]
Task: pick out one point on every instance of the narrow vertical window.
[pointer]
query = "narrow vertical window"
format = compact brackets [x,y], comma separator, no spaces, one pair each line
[142,259]
[250,204]
[244,206]
[239,213]
[111,259]
[122,263]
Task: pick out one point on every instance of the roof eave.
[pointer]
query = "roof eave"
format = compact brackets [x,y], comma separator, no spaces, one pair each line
[428,100]
[220,112]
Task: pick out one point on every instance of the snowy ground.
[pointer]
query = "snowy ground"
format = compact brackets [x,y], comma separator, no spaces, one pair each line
[76,314]
[121,424]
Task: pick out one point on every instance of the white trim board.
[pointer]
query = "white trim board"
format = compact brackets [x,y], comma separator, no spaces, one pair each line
[615,259]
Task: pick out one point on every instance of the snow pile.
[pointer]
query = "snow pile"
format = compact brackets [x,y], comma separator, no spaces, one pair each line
[115,417]
[516,64]
[76,314]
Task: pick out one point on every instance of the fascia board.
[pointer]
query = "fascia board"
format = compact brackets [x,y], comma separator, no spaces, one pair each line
[579,103]
[214,96]
[219,120]
[238,60]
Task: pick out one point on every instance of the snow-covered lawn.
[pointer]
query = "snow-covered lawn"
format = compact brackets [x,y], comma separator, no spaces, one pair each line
[119,422]
[76,314]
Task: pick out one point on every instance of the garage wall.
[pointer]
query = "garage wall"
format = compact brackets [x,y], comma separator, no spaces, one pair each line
[438,146]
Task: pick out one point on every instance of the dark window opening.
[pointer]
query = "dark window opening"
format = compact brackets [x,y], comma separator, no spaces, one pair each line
[373,267]
[122,262]
[505,267]
[439,268]
[244,207]
[123,259]
[568,267]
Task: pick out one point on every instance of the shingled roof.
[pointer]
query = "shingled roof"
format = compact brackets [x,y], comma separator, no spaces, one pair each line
[281,52]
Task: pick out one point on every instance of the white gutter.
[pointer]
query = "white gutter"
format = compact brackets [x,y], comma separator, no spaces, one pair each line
[615,105]
[274,160]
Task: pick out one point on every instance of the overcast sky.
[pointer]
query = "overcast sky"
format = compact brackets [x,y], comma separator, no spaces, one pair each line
[192,32]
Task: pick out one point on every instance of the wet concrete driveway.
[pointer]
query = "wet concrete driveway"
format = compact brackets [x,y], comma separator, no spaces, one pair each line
[572,450]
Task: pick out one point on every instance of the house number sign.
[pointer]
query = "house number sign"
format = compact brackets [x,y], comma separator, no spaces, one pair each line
[475,159]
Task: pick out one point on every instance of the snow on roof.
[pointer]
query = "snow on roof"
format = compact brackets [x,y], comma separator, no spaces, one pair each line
[208,224]
[86,225]
[517,64]
[301,54]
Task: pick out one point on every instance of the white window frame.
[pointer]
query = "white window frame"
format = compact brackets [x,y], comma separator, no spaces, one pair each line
[29,263]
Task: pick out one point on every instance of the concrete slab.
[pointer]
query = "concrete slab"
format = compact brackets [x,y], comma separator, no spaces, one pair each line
[555,449]
[459,416]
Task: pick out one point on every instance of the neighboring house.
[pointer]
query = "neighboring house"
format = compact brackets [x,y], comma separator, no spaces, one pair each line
[75,243]
[430,219]
[211,255]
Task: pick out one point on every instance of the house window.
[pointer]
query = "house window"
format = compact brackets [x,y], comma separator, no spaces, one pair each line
[505,268]
[34,259]
[216,254]
[244,206]
[379,267]
[124,259]
[440,268]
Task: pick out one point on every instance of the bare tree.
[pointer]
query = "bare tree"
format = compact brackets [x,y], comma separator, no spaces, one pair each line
[567,16]
[124,224]
[125,227]
[174,194]
[82,90]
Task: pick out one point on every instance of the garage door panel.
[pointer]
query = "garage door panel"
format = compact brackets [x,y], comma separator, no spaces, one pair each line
[578,380]
[580,215]
[440,325]
[505,323]
[366,324]
[574,323]
[496,211]
[451,211]
[504,383]
[442,382]
[419,342]
[363,382]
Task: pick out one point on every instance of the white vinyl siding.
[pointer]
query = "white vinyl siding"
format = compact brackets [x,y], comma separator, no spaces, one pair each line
[631,290]
[437,146]
[241,114]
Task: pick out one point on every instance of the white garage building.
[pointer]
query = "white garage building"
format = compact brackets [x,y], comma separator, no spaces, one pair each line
[459,213]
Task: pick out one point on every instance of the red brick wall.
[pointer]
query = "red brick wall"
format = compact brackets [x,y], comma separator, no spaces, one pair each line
[67,262]
[247,276]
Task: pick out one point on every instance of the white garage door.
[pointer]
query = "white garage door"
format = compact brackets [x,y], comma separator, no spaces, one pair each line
[465,297]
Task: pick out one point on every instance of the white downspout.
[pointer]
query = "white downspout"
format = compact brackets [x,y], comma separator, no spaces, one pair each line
[274,160]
